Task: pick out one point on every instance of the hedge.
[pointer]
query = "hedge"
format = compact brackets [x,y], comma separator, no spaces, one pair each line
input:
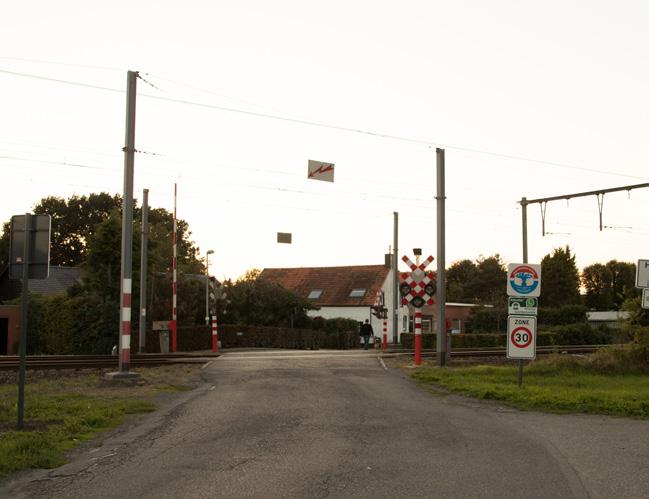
[571,334]
[234,336]
[495,319]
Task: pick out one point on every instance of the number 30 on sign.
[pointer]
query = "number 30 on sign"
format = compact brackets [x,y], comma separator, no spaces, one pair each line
[521,337]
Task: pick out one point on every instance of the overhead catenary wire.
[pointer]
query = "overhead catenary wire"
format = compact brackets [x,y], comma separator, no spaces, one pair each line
[320,124]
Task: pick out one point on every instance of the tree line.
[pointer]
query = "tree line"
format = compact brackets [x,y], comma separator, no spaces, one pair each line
[606,286]
[86,233]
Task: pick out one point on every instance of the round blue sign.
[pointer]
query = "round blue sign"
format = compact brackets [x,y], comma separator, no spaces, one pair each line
[524,279]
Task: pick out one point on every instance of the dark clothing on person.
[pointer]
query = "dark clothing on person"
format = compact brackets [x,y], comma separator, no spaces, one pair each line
[366,332]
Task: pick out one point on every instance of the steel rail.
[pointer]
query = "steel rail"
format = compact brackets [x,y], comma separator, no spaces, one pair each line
[97,361]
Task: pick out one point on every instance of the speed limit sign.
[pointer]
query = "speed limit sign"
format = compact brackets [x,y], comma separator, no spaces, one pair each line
[521,337]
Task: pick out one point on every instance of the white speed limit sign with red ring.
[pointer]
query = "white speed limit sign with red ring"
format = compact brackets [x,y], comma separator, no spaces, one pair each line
[521,337]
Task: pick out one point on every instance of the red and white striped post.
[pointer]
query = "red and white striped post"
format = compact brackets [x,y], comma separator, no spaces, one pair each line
[126,324]
[215,340]
[417,336]
[384,345]
[174,284]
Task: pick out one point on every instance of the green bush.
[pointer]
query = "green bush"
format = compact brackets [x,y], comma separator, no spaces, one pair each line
[488,320]
[567,314]
[429,341]
[61,325]
[572,334]
[580,334]
[194,338]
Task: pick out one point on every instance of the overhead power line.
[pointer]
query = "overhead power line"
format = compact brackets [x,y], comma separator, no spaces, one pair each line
[320,124]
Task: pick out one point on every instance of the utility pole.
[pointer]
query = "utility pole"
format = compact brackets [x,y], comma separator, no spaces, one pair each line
[174,279]
[395,282]
[126,281]
[441,257]
[143,267]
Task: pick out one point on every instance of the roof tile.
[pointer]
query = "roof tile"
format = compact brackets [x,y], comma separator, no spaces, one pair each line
[336,282]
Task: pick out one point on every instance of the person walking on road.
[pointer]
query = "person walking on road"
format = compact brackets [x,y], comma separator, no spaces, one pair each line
[366,332]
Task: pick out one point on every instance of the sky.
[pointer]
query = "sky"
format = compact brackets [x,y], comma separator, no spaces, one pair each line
[527,98]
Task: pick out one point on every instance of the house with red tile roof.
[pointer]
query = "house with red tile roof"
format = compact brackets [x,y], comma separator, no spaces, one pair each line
[348,291]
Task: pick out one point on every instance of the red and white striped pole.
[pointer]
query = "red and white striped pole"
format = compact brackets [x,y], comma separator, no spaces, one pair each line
[417,336]
[174,284]
[126,273]
[126,324]
[385,335]
[215,340]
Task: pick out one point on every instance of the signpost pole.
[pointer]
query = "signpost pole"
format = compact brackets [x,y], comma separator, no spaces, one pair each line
[23,323]
[524,214]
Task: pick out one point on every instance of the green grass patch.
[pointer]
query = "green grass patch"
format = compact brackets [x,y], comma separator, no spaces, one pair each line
[61,413]
[553,386]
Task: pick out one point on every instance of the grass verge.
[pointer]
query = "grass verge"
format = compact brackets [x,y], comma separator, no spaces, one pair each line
[553,385]
[61,413]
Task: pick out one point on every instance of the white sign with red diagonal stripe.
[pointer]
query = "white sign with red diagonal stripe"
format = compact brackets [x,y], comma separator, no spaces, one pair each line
[319,170]
[418,286]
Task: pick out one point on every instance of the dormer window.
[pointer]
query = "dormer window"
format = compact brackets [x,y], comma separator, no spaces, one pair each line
[357,293]
[314,294]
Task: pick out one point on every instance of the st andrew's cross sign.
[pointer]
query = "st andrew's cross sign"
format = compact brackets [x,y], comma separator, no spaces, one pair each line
[418,286]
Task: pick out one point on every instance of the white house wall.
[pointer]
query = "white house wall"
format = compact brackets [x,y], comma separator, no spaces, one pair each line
[365,312]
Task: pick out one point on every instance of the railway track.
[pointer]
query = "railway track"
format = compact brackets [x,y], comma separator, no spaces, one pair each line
[501,352]
[11,362]
[97,361]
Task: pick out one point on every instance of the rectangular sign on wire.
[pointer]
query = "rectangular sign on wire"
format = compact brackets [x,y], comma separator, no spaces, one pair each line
[319,170]
[642,274]
[645,298]
[521,337]
[284,237]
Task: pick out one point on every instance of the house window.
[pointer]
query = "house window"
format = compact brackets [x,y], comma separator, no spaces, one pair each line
[357,293]
[314,294]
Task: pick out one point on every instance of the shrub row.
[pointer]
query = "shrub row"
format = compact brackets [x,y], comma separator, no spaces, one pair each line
[495,319]
[571,334]
[233,336]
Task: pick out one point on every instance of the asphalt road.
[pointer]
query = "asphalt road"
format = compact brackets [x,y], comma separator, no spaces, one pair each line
[337,424]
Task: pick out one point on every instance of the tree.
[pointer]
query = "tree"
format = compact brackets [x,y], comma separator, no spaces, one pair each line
[560,279]
[102,266]
[4,245]
[596,279]
[479,282]
[608,286]
[459,281]
[490,282]
[255,301]
[74,221]
[623,281]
